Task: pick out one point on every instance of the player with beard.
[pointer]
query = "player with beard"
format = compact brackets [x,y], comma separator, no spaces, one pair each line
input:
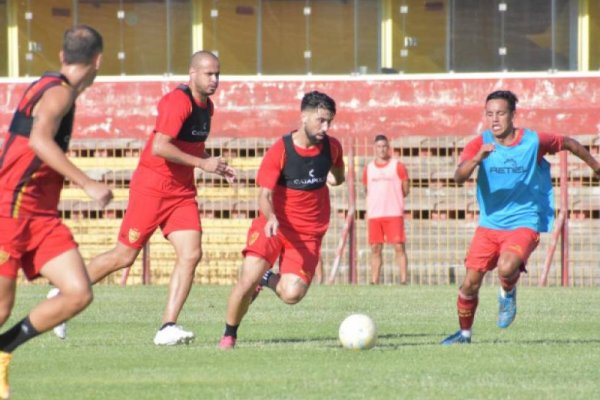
[294,214]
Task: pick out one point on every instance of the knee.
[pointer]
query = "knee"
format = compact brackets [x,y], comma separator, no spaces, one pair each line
[507,270]
[125,259]
[399,247]
[84,298]
[190,258]
[79,298]
[376,249]
[470,287]
[291,297]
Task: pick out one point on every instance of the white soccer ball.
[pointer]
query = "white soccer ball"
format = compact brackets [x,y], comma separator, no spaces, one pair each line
[358,332]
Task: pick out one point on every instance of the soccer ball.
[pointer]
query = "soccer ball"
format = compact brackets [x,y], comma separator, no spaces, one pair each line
[358,332]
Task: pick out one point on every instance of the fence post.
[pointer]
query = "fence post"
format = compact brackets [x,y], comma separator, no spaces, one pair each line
[125,276]
[564,205]
[146,264]
[353,275]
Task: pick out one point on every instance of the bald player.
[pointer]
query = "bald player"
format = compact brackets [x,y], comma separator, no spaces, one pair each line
[163,192]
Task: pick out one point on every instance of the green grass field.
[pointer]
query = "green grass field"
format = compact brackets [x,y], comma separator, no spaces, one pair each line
[552,351]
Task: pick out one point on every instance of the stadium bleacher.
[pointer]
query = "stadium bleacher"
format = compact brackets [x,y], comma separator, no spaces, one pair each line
[440,215]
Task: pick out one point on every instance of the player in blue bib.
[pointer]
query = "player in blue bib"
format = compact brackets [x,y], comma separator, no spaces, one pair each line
[514,193]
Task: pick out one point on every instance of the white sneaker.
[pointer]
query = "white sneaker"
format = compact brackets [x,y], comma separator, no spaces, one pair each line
[60,330]
[172,335]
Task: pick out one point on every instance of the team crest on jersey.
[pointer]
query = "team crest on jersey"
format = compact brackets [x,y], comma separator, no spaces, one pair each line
[133,235]
[253,237]
[4,256]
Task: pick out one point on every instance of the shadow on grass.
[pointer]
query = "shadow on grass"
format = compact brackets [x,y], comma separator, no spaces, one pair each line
[393,341]
[332,341]
[543,342]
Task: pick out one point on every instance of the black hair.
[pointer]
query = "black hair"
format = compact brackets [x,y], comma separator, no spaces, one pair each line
[314,100]
[81,44]
[506,95]
[381,137]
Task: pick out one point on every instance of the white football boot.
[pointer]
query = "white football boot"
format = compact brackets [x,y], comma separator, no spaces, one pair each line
[172,335]
[60,330]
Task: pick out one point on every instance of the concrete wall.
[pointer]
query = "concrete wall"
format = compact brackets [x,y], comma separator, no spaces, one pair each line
[428,105]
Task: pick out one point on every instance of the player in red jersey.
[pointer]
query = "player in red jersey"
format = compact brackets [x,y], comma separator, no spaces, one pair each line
[163,190]
[294,212]
[33,165]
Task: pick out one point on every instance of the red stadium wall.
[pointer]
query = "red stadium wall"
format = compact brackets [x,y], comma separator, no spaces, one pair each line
[395,105]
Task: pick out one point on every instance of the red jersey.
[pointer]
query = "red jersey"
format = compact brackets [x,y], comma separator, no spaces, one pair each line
[298,211]
[29,187]
[549,144]
[156,175]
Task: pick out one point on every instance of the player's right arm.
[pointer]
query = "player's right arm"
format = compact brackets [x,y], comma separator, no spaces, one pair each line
[47,116]
[173,110]
[163,146]
[474,153]
[265,205]
[267,177]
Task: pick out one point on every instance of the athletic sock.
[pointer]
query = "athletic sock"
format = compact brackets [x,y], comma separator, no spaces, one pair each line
[166,324]
[231,330]
[264,281]
[466,306]
[17,335]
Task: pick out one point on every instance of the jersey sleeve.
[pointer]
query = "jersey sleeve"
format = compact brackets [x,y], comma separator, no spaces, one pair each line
[549,143]
[173,109]
[271,166]
[211,106]
[471,149]
[401,171]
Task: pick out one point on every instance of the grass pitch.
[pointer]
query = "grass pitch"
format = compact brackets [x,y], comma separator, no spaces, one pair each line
[552,350]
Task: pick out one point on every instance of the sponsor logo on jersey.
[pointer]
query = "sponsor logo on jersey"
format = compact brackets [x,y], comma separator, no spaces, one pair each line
[510,167]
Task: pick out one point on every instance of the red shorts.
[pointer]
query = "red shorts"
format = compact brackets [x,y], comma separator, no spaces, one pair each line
[386,230]
[488,244]
[298,256]
[146,213]
[29,243]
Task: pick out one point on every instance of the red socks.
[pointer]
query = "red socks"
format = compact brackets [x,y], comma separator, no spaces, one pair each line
[466,306]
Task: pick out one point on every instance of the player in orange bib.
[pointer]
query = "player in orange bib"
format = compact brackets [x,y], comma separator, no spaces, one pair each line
[33,165]
[386,182]
[294,212]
